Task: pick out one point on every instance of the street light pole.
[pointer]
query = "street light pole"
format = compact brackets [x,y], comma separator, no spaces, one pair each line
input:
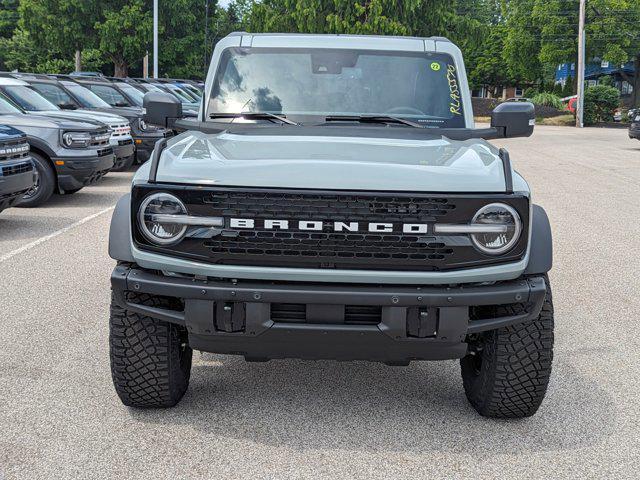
[206,33]
[155,38]
[581,65]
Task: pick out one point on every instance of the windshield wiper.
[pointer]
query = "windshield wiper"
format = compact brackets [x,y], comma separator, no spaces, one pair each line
[372,119]
[255,116]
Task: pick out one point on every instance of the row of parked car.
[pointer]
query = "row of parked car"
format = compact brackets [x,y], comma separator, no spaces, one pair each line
[60,133]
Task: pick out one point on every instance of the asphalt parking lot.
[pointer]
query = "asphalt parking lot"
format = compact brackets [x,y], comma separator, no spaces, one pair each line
[60,417]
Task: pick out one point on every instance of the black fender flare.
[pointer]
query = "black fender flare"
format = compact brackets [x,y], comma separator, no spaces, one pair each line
[541,250]
[41,145]
[120,231]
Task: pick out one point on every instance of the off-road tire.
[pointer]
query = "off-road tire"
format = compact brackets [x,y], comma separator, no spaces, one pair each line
[508,376]
[150,359]
[47,183]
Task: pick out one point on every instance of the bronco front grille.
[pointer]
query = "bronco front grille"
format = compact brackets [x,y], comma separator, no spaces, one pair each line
[14,150]
[16,169]
[327,248]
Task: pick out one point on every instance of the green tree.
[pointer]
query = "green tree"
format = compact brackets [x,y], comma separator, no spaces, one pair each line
[613,35]
[521,53]
[124,33]
[62,27]
[391,17]
[9,16]
[568,91]
[486,65]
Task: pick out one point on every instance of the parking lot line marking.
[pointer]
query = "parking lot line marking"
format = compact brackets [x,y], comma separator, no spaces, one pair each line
[37,242]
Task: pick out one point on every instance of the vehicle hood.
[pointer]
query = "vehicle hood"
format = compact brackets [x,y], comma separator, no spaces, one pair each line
[332,161]
[105,118]
[9,133]
[44,121]
[127,112]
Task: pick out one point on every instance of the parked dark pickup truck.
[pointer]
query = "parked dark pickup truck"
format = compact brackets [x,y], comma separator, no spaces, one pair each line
[16,166]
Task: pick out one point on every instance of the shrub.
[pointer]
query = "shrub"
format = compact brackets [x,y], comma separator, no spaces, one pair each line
[530,92]
[567,91]
[557,89]
[548,100]
[599,103]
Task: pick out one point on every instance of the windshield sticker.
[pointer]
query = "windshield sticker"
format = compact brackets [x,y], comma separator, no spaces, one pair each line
[455,105]
[435,66]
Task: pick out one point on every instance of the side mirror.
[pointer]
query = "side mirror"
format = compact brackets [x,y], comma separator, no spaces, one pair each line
[161,109]
[67,106]
[121,104]
[514,119]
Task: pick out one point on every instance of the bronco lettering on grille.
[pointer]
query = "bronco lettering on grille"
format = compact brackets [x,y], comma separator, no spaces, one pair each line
[319,226]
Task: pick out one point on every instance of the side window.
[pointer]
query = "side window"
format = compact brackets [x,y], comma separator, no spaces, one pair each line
[52,93]
[108,94]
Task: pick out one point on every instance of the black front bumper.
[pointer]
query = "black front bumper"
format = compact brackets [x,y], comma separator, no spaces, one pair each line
[145,143]
[14,186]
[416,323]
[78,172]
[124,149]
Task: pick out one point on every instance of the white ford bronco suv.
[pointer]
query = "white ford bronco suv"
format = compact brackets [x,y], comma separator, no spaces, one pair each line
[333,200]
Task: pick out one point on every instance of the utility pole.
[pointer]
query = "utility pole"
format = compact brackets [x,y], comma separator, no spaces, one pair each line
[78,61]
[145,65]
[206,34]
[155,38]
[581,65]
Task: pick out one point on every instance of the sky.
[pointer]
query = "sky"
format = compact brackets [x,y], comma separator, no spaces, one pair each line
[224,3]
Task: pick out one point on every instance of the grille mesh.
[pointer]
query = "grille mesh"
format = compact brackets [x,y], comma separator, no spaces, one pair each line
[329,244]
[353,314]
[17,169]
[328,248]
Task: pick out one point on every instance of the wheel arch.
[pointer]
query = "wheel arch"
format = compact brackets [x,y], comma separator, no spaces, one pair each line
[541,251]
[120,231]
[39,147]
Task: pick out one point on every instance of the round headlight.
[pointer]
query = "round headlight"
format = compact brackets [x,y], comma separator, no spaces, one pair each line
[142,124]
[508,228]
[151,224]
[76,139]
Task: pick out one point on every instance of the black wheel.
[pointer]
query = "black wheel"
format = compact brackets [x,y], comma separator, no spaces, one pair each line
[150,359]
[44,186]
[123,164]
[508,373]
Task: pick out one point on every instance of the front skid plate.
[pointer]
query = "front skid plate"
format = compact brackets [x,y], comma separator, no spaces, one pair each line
[388,341]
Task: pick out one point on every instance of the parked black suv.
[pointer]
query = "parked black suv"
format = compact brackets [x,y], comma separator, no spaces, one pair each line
[16,167]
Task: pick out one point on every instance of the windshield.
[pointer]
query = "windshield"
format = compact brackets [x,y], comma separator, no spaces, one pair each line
[110,95]
[54,93]
[135,95]
[194,92]
[183,96]
[29,99]
[147,87]
[418,85]
[86,97]
[7,108]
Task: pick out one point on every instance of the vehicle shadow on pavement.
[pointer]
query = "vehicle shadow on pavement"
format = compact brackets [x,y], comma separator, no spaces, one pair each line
[85,198]
[25,227]
[372,407]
